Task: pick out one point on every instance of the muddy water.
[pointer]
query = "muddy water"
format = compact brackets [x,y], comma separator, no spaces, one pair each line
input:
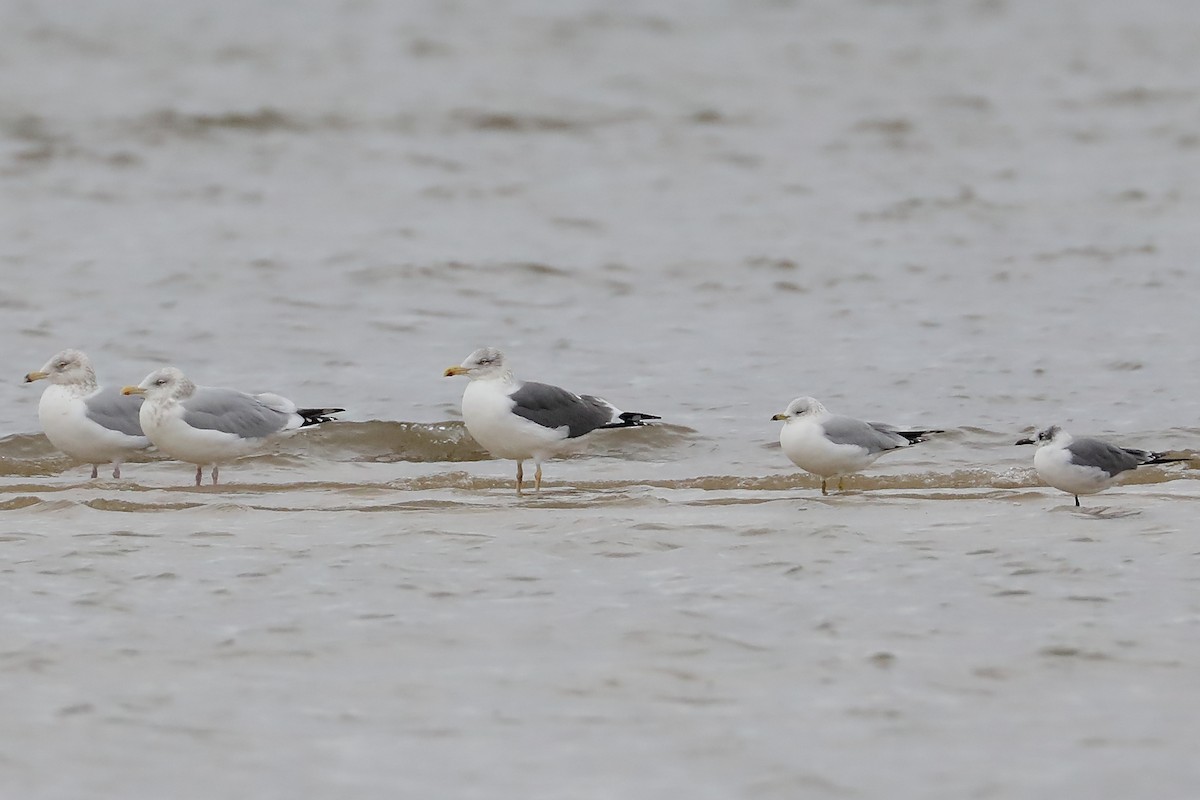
[972,216]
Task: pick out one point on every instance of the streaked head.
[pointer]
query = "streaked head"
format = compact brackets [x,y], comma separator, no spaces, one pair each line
[168,382]
[800,407]
[67,367]
[486,362]
[1045,436]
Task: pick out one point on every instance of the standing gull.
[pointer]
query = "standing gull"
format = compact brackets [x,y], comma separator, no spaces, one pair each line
[521,420]
[1086,465]
[832,446]
[203,425]
[88,423]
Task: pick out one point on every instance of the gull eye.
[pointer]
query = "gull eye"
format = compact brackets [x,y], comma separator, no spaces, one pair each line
[483,362]
[63,364]
[160,382]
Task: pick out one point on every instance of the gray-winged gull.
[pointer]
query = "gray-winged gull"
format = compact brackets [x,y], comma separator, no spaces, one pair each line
[833,446]
[1086,465]
[90,424]
[204,425]
[525,420]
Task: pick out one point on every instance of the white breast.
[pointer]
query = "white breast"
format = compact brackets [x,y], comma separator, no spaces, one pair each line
[804,442]
[163,423]
[64,419]
[487,413]
[1053,465]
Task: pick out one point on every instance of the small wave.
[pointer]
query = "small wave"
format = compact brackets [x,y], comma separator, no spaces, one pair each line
[384,442]
[171,122]
[377,441]
[927,483]
[380,441]
[1138,96]
[30,454]
[261,120]
[521,122]
[108,504]
[460,489]
[19,502]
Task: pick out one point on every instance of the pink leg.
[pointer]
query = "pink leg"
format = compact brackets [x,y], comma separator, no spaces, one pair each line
[95,471]
[199,474]
[520,475]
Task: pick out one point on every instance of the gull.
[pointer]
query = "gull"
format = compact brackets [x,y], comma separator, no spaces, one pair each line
[88,423]
[204,425]
[525,420]
[1086,465]
[833,446]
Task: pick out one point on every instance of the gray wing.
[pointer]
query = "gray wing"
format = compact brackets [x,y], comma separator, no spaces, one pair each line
[872,438]
[552,407]
[115,411]
[1108,457]
[231,411]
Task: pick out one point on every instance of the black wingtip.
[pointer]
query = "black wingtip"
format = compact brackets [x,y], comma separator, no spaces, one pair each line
[1165,458]
[631,419]
[916,437]
[315,416]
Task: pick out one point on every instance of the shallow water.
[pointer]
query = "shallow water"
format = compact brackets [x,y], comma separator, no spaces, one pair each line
[978,217]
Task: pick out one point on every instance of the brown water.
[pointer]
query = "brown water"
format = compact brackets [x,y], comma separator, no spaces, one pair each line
[977,216]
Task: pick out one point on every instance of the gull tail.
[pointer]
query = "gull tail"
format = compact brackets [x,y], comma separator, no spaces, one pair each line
[315,416]
[630,419]
[915,437]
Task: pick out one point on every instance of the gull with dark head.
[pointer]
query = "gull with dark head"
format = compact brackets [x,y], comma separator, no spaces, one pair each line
[89,423]
[832,446]
[1086,465]
[204,425]
[524,420]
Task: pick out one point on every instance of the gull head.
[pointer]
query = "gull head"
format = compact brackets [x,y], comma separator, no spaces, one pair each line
[1045,436]
[66,368]
[168,383]
[486,362]
[800,407]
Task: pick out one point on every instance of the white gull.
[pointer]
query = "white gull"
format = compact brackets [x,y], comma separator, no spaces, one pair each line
[1086,465]
[204,425]
[833,446]
[525,420]
[87,422]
